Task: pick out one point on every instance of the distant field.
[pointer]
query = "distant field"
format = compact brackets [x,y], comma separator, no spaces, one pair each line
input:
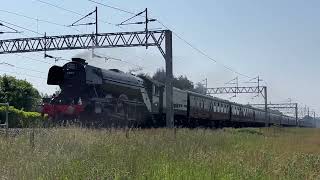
[74,153]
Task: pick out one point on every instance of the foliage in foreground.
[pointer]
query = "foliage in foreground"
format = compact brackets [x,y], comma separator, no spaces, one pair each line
[20,118]
[162,154]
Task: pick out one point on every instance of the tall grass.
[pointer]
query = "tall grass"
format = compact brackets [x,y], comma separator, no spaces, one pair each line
[75,153]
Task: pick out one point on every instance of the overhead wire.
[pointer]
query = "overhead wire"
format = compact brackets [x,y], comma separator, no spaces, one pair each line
[70,11]
[25,56]
[116,8]
[8,27]
[179,37]
[59,58]
[33,59]
[202,52]
[14,66]
[107,58]
[40,20]
[27,29]
[28,75]
[56,58]
[29,69]
[112,7]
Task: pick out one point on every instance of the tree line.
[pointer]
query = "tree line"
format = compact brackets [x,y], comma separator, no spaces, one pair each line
[181,82]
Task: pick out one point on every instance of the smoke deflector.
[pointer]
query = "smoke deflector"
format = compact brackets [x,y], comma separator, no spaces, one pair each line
[55,75]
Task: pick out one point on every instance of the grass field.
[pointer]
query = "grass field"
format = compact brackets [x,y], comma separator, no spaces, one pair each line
[74,153]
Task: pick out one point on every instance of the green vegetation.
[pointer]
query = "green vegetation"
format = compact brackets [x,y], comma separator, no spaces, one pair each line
[19,93]
[75,153]
[20,118]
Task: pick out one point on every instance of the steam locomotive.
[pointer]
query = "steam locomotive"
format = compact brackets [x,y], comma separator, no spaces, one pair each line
[100,97]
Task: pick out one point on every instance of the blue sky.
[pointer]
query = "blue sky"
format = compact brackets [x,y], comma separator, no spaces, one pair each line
[277,40]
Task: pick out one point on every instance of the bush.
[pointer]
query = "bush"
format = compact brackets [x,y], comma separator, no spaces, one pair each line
[19,118]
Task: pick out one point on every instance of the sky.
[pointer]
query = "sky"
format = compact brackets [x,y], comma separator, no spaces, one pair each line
[276,40]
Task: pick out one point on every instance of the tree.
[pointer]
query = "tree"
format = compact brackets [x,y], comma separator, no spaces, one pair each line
[182,82]
[160,75]
[200,88]
[18,93]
